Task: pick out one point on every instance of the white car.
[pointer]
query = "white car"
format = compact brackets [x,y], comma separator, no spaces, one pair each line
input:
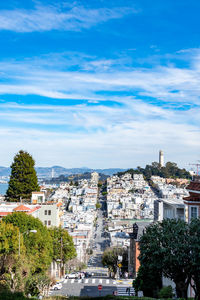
[73,275]
[57,286]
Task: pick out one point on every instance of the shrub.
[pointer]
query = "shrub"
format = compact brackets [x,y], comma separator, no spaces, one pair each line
[166,292]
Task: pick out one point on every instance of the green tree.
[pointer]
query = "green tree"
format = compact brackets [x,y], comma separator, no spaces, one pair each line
[38,284]
[23,179]
[194,235]
[166,292]
[148,280]
[63,246]
[170,170]
[13,269]
[39,246]
[110,258]
[98,205]
[165,247]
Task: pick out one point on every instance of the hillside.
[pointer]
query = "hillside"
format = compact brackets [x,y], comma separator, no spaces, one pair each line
[46,172]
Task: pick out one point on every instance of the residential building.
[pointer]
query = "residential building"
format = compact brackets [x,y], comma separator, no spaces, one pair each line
[38,197]
[192,202]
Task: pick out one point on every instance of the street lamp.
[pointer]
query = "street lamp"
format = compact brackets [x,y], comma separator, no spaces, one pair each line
[32,230]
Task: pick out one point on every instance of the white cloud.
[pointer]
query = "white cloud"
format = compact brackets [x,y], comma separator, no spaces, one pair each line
[99,136]
[45,18]
[126,134]
[124,144]
[95,77]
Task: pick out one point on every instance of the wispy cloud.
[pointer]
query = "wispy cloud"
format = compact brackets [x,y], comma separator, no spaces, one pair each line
[110,146]
[160,109]
[46,18]
[92,78]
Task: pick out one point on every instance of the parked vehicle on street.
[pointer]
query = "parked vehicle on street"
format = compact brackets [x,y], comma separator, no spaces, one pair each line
[73,275]
[57,286]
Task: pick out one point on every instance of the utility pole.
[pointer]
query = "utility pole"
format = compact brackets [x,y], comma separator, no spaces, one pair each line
[61,256]
[19,243]
[197,165]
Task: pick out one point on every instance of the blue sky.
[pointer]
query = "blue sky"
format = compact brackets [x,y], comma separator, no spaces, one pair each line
[100,83]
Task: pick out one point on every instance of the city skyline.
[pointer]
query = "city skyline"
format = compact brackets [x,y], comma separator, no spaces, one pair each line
[100,84]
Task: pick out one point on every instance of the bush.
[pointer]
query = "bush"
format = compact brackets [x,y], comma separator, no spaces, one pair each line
[166,292]
[13,296]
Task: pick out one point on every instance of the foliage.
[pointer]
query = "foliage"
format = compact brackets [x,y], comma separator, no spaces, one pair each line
[170,170]
[63,246]
[110,257]
[15,272]
[166,292]
[194,234]
[13,269]
[38,284]
[9,239]
[165,249]
[148,280]
[23,179]
[39,246]
[74,264]
[7,295]
[98,205]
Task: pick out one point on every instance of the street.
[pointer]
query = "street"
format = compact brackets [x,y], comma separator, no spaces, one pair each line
[89,287]
[100,240]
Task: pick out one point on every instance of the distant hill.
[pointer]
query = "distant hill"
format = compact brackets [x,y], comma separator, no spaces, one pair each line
[46,172]
[74,178]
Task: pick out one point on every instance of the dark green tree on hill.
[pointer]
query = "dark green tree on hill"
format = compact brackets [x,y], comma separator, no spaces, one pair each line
[23,179]
[170,170]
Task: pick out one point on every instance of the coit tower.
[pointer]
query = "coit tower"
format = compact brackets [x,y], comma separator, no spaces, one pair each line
[161,158]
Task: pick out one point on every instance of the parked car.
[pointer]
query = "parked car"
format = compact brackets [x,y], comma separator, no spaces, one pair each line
[72,275]
[88,274]
[57,286]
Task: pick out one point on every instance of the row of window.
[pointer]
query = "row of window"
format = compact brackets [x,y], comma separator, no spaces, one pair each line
[47,212]
[47,223]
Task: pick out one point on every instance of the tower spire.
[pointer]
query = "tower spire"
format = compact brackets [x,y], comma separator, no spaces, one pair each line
[161,158]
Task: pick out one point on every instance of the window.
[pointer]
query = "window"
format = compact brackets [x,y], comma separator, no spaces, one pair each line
[49,212]
[45,212]
[40,198]
[194,212]
[45,222]
[49,223]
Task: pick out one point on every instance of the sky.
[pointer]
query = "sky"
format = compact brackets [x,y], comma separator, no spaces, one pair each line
[101,84]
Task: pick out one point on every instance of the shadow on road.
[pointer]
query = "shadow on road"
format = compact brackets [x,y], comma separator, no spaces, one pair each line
[92,291]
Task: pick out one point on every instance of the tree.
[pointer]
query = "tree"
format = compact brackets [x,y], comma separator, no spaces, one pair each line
[98,205]
[194,234]
[165,249]
[148,280]
[170,170]
[23,179]
[110,258]
[166,292]
[63,246]
[39,246]
[13,269]
[38,284]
